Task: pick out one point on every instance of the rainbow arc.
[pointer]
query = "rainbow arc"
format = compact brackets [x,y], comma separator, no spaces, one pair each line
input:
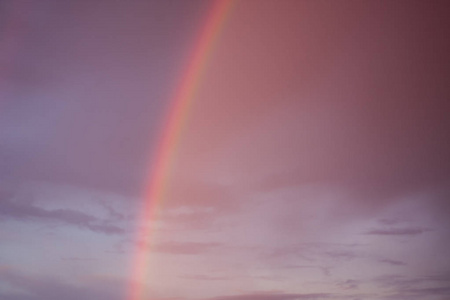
[175,122]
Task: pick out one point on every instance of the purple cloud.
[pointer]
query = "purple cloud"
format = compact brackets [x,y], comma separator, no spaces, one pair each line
[420,284]
[415,287]
[24,211]
[435,291]
[398,231]
[205,277]
[341,255]
[392,262]
[349,284]
[325,270]
[46,288]
[399,282]
[184,247]
[275,296]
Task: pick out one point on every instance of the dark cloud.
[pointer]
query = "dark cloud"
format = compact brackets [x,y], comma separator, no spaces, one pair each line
[46,288]
[398,231]
[25,211]
[400,282]
[416,287]
[435,291]
[275,296]
[326,271]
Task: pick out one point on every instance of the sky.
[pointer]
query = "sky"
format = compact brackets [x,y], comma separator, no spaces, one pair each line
[312,163]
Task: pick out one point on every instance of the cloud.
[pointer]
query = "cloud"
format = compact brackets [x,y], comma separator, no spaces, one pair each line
[398,231]
[189,248]
[25,211]
[205,277]
[402,282]
[77,259]
[193,218]
[392,262]
[434,291]
[315,252]
[325,270]
[421,287]
[275,296]
[341,255]
[48,288]
[349,284]
[399,282]
[390,221]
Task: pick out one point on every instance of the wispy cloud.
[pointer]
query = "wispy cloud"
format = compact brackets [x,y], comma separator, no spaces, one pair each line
[397,281]
[398,231]
[275,296]
[392,262]
[418,283]
[24,211]
[315,252]
[46,288]
[349,284]
[325,270]
[77,259]
[205,277]
[341,255]
[184,247]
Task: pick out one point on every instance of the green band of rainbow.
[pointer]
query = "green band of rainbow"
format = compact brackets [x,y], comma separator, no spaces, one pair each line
[182,101]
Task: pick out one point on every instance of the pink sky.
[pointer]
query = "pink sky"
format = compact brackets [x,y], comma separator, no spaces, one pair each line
[314,164]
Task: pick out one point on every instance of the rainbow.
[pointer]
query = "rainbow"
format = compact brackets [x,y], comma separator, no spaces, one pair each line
[166,152]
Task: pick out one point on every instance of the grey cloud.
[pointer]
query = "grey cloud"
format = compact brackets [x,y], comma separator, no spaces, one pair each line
[192,219]
[443,277]
[190,248]
[314,252]
[442,292]
[390,221]
[77,259]
[326,271]
[416,285]
[398,231]
[205,277]
[22,211]
[45,288]
[392,262]
[435,291]
[397,281]
[113,212]
[275,296]
[341,255]
[349,284]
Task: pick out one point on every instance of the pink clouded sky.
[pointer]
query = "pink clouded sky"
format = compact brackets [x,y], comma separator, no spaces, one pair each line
[313,165]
